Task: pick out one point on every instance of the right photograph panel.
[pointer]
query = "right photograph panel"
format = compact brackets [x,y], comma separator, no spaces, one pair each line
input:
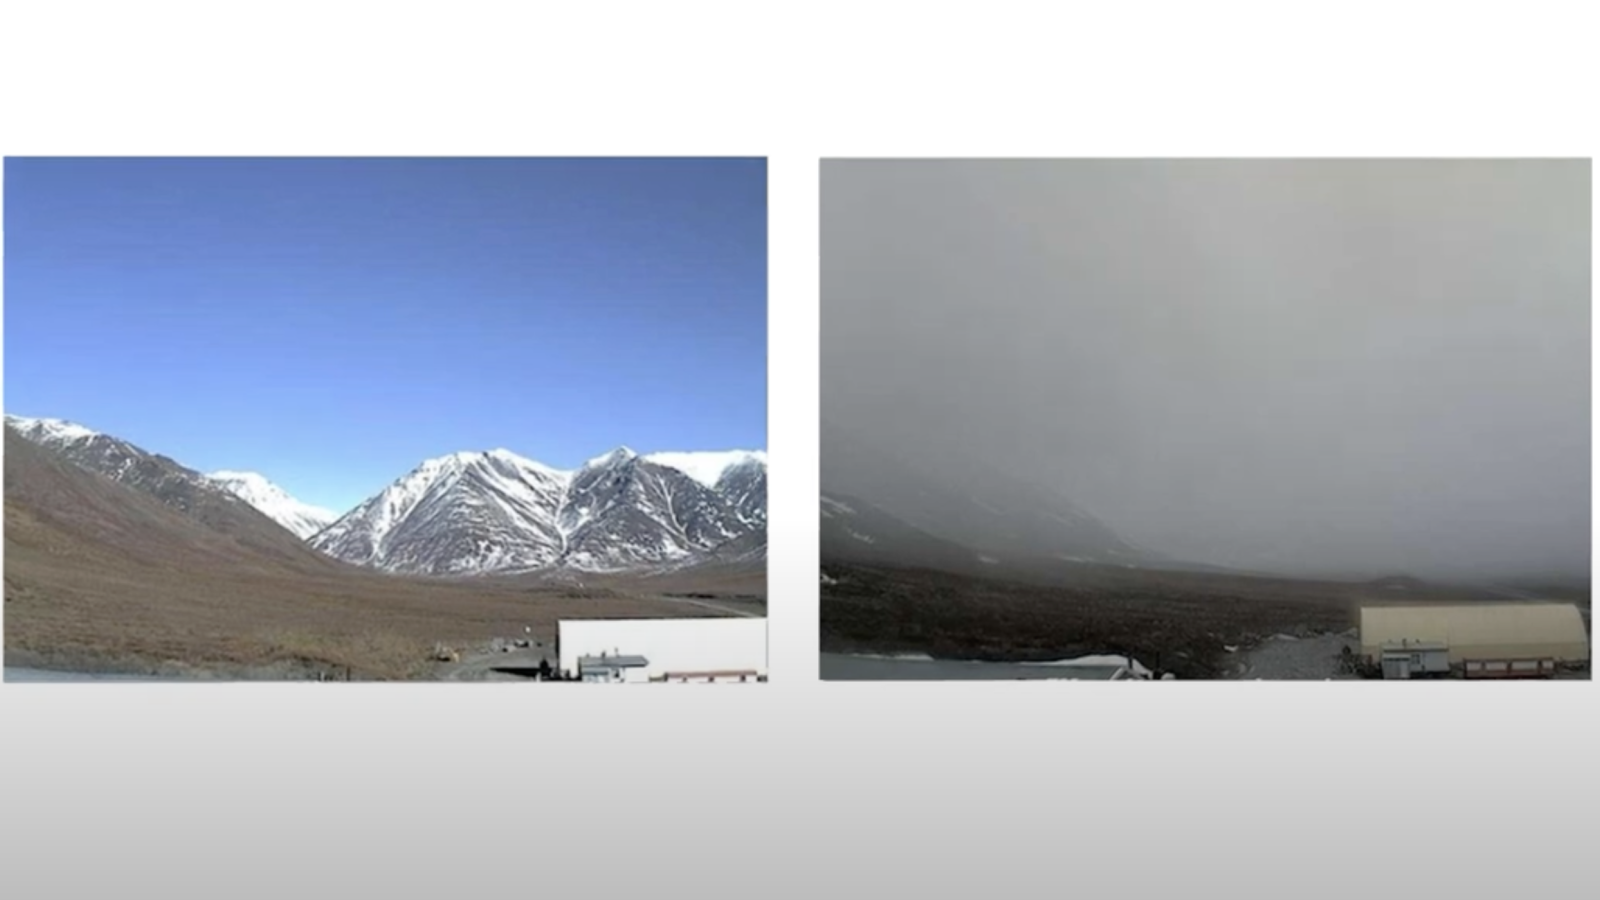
[1205,419]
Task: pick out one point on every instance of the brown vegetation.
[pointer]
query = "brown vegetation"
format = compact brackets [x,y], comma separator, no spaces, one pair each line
[98,574]
[1174,621]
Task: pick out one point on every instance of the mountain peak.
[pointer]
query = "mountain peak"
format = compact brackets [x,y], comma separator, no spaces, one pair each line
[523,463]
[52,430]
[619,455]
[276,503]
[454,462]
[449,461]
[255,479]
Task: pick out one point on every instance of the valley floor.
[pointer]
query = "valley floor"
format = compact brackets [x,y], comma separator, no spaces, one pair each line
[167,575]
[1169,622]
[239,626]
[83,664]
[1195,626]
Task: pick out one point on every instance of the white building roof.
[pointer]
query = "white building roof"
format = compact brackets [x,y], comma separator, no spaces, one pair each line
[1476,625]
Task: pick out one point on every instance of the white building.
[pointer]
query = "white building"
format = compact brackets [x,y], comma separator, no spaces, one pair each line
[1481,639]
[677,650]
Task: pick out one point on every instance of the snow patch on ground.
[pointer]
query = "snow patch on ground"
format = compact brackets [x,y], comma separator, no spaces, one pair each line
[896,657]
[831,506]
[1108,660]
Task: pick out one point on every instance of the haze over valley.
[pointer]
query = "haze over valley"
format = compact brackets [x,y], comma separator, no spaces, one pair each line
[1316,367]
[1222,377]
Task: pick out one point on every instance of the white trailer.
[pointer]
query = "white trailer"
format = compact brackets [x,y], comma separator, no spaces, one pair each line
[1415,659]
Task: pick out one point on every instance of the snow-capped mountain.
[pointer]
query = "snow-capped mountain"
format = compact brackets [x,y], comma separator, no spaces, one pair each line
[54,433]
[299,517]
[744,484]
[455,514]
[174,484]
[740,476]
[470,513]
[110,456]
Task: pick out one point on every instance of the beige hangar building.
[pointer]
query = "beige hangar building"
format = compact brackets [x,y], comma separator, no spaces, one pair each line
[1483,640]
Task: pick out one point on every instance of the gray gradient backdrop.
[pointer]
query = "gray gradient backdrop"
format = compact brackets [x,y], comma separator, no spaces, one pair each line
[799,789]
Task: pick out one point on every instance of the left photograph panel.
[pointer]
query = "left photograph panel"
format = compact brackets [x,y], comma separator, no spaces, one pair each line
[385,419]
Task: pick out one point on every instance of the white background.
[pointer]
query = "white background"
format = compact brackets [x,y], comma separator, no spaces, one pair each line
[798,788]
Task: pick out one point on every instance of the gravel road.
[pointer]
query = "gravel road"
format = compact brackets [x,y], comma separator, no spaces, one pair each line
[1289,658]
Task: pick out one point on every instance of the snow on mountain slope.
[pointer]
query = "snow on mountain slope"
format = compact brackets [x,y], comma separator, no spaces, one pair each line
[120,460]
[472,513]
[170,482]
[478,512]
[456,514]
[624,511]
[299,517]
[744,484]
[707,467]
[738,475]
[50,432]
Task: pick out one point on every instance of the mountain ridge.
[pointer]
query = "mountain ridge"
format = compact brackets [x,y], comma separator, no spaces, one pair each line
[481,512]
[496,511]
[50,495]
[978,507]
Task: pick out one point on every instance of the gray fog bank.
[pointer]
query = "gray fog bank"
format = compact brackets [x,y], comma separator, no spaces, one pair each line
[1324,367]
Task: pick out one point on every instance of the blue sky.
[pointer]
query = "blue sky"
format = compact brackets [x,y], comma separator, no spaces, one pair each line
[331,323]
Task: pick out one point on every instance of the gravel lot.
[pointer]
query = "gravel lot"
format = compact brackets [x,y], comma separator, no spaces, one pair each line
[1286,657]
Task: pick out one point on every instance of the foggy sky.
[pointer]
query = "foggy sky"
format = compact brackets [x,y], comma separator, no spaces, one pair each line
[1319,366]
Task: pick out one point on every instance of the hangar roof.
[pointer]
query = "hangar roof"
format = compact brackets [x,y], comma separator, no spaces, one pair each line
[1474,623]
